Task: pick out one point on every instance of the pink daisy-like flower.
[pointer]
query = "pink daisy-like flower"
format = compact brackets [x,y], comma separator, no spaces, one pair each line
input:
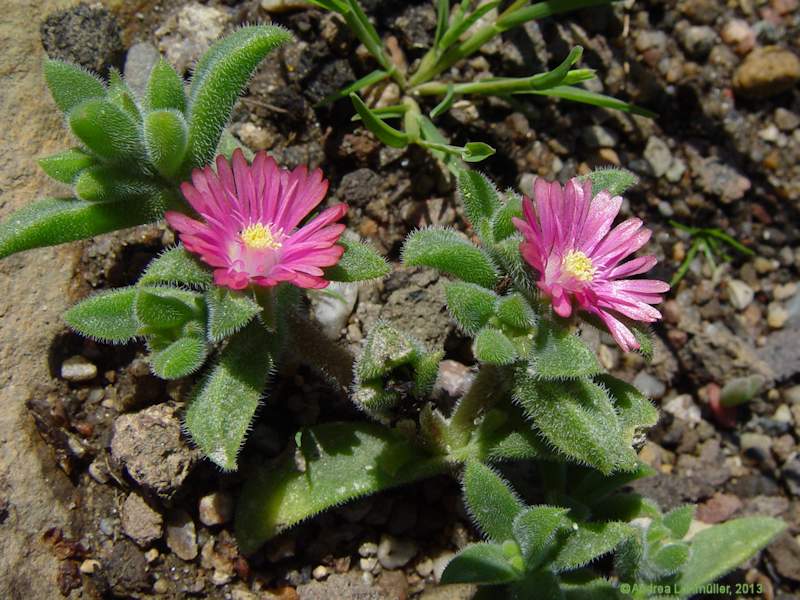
[251,215]
[569,241]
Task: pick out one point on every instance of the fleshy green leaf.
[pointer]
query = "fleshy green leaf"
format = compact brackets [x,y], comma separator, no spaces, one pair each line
[165,89]
[671,557]
[491,501]
[558,354]
[178,267]
[55,221]
[597,589]
[366,81]
[106,183]
[358,263]
[219,78]
[66,165]
[535,528]
[502,224]
[70,85]
[480,197]
[492,346]
[385,133]
[446,251]
[589,542]
[721,548]
[578,418]
[181,358]
[476,152]
[166,307]
[166,139]
[386,348]
[120,94]
[106,317]
[635,411]
[515,312]
[578,94]
[108,131]
[470,305]
[678,520]
[342,461]
[219,414]
[228,312]
[741,390]
[544,582]
[614,181]
[480,563]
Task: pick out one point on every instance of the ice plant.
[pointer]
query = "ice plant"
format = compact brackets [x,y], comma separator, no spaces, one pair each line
[568,240]
[251,232]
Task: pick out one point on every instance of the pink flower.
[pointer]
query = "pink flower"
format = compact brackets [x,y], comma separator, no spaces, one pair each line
[569,241]
[251,232]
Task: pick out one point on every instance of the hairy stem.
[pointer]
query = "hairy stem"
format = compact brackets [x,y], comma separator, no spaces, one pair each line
[490,385]
[311,346]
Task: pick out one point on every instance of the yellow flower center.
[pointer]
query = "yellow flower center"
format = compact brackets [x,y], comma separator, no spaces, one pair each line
[258,236]
[580,266]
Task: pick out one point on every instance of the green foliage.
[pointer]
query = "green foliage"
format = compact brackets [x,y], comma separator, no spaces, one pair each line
[741,390]
[589,542]
[160,308]
[470,305]
[358,263]
[166,139]
[721,548]
[107,317]
[336,462]
[182,357]
[164,89]
[228,312]
[614,181]
[492,346]
[53,221]
[502,224]
[71,85]
[635,411]
[219,78]
[66,165]
[479,195]
[515,311]
[383,131]
[712,242]
[577,418]
[558,354]
[108,132]
[480,563]
[105,183]
[535,529]
[491,501]
[446,251]
[221,409]
[176,266]
[678,520]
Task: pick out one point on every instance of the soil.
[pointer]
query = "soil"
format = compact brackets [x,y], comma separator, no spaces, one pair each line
[102,496]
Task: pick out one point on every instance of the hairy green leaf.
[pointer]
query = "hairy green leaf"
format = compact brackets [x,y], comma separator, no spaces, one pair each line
[515,312]
[492,346]
[480,563]
[120,94]
[358,263]
[596,589]
[671,557]
[66,165]
[106,317]
[55,221]
[106,183]
[386,348]
[341,461]
[721,548]
[166,138]
[219,78]
[446,251]
[167,307]
[108,131]
[614,181]
[577,418]
[220,412]
[558,354]
[589,542]
[179,267]
[678,520]
[480,198]
[181,358]
[502,224]
[470,305]
[535,528]
[228,312]
[70,85]
[165,89]
[491,501]
[635,411]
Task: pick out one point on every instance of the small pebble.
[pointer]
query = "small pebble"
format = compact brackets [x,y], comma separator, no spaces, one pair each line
[777,315]
[161,586]
[784,291]
[425,567]
[78,368]
[215,509]
[181,535]
[89,566]
[394,553]
[740,294]
[368,549]
[319,572]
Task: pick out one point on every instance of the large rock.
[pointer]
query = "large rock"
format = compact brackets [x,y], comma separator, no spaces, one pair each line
[33,294]
[767,72]
[150,446]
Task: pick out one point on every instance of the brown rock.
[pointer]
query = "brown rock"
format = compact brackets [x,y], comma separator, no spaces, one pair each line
[767,72]
[719,508]
[784,553]
[140,522]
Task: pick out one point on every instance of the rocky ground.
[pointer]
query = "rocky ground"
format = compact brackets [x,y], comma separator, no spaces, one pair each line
[101,495]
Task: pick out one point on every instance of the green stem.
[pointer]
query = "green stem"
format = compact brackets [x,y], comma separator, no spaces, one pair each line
[358,21]
[411,119]
[489,386]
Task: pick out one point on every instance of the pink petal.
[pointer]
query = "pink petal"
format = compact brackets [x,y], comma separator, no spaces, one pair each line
[621,334]
[635,266]
[602,212]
